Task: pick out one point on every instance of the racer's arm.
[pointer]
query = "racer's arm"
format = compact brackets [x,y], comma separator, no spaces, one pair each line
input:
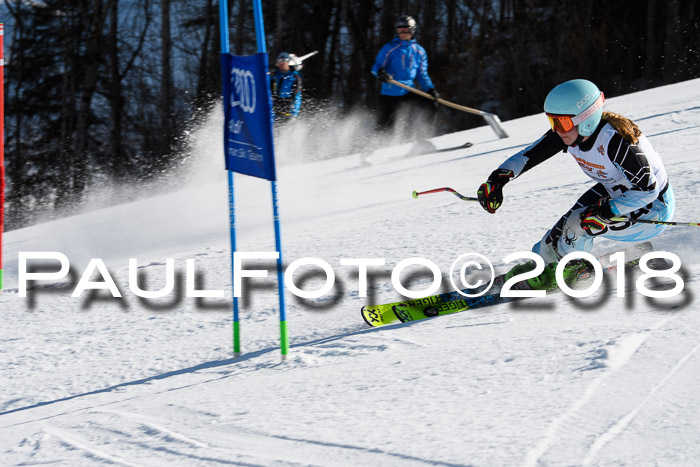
[539,151]
[490,193]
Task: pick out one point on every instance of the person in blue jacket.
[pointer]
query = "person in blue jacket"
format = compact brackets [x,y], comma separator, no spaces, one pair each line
[405,61]
[286,87]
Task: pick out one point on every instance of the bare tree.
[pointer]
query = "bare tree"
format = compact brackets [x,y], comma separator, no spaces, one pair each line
[166,84]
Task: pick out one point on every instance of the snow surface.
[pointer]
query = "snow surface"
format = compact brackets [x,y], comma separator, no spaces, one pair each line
[599,381]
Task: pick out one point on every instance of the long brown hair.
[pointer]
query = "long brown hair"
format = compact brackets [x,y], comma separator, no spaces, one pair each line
[626,127]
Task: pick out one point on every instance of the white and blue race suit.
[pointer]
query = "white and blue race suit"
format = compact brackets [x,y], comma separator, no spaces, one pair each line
[632,175]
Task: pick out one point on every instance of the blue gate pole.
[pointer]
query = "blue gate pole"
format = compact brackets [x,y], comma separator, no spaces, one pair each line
[223,28]
[284,336]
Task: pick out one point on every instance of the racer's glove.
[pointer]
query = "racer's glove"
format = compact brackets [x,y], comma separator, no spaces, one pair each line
[436,96]
[490,192]
[384,76]
[595,219]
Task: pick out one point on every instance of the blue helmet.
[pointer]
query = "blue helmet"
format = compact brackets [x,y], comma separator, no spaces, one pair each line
[580,99]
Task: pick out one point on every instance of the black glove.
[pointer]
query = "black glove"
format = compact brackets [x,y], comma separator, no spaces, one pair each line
[435,95]
[595,219]
[384,76]
[490,193]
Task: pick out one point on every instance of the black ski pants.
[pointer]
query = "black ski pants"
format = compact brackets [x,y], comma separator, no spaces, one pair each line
[410,114]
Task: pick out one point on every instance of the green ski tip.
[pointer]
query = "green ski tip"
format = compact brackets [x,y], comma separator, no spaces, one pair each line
[414,194]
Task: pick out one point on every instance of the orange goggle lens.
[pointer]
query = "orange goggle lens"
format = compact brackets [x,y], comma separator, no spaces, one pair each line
[561,123]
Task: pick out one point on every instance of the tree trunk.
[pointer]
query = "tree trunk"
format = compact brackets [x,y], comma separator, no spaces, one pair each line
[332,53]
[651,42]
[426,30]
[15,169]
[672,49]
[242,16]
[166,96]
[93,52]
[204,76]
[283,28]
[116,98]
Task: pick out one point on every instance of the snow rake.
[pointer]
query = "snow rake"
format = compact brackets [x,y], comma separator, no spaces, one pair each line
[492,119]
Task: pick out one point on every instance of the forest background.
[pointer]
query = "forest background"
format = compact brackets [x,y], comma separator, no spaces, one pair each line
[108,92]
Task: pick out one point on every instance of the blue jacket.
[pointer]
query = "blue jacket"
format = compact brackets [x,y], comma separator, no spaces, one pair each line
[286,91]
[406,61]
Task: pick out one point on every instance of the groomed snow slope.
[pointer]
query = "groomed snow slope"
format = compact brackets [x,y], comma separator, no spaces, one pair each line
[599,381]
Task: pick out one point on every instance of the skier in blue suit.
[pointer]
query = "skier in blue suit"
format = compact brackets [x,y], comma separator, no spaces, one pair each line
[405,61]
[286,87]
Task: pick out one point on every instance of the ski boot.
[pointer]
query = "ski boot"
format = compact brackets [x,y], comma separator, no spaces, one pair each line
[547,279]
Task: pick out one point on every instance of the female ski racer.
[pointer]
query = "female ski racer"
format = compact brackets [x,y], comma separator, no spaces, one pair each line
[610,149]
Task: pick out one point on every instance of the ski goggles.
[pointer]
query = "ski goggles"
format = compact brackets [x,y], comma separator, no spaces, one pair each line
[561,123]
[566,123]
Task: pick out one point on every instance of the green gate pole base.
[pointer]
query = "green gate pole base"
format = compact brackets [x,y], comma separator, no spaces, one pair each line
[236,339]
[284,339]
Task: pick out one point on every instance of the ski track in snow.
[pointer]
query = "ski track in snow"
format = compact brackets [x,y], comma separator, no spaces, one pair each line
[603,381]
[627,348]
[622,423]
[576,423]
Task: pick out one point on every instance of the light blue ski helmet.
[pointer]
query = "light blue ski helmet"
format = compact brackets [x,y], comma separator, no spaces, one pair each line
[580,99]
